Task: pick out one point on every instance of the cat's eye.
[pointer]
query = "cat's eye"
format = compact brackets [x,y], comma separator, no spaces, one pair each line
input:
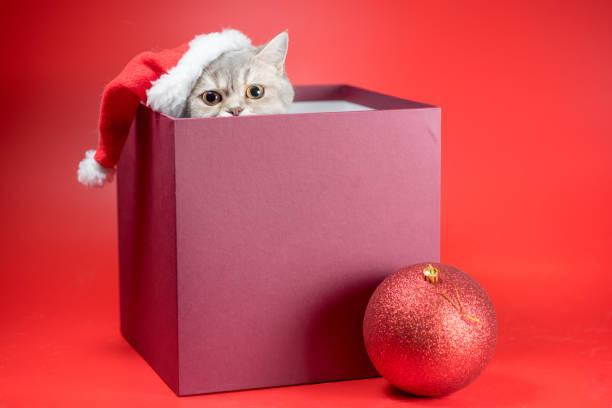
[211,98]
[255,91]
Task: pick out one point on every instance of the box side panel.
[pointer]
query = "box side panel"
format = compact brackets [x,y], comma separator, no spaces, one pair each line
[147,243]
[285,226]
[319,92]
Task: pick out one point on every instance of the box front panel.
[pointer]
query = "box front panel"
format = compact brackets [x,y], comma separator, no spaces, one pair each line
[285,226]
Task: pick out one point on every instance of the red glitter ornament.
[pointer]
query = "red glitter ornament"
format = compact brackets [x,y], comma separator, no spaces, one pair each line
[430,329]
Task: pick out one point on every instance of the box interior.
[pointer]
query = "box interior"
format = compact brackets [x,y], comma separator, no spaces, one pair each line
[326,106]
[343,98]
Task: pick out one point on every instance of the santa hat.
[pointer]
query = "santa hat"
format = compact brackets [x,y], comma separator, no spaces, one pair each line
[162,80]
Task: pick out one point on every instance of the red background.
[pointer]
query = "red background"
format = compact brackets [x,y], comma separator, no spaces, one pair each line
[525,90]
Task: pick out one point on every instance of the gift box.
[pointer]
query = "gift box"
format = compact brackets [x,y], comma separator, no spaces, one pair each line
[249,246]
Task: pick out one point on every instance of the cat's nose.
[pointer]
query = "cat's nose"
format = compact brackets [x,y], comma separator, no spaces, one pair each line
[235,111]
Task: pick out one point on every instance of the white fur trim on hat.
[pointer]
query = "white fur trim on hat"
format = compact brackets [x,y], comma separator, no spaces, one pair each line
[91,173]
[169,93]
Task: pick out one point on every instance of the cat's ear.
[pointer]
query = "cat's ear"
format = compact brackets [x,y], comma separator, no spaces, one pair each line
[275,51]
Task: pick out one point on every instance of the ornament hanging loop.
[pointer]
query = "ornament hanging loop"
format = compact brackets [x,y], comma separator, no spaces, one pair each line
[432,275]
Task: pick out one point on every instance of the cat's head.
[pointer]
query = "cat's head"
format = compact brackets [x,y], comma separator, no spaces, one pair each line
[245,82]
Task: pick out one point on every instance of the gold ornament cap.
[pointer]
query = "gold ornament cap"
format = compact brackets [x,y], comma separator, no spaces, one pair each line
[431,274]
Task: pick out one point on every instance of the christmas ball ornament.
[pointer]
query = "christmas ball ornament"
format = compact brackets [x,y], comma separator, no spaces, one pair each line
[430,329]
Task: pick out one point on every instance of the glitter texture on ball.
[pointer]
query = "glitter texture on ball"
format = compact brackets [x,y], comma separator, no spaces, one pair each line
[430,329]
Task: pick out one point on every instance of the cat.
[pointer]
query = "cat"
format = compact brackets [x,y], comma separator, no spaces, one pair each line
[250,81]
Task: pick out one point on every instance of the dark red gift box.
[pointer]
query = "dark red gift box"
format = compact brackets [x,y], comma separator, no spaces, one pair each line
[249,246]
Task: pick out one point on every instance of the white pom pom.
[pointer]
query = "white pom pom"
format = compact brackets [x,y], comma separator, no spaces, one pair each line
[91,173]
